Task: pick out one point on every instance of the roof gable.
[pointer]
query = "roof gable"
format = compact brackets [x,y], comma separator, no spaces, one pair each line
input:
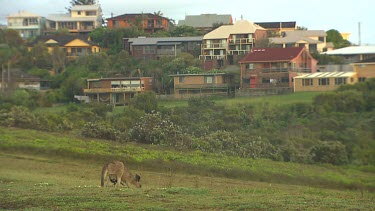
[77,42]
[272,54]
[239,27]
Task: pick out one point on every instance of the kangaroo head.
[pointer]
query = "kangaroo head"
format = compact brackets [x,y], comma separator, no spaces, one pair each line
[137,179]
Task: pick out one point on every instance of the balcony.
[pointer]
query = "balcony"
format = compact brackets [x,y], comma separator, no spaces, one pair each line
[214,45]
[212,57]
[240,41]
[202,86]
[114,90]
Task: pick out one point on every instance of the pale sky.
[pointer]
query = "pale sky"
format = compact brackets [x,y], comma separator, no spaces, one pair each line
[342,15]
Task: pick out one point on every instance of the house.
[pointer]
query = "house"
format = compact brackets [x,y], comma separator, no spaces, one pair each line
[21,80]
[73,45]
[365,69]
[278,28]
[82,19]
[312,40]
[186,85]
[27,24]
[205,23]
[116,91]
[353,54]
[265,68]
[156,47]
[323,81]
[228,43]
[148,22]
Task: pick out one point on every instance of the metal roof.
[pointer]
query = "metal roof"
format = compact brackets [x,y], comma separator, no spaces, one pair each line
[85,7]
[163,40]
[205,20]
[327,75]
[352,50]
[24,14]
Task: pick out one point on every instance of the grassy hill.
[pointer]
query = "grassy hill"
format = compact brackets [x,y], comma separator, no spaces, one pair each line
[54,171]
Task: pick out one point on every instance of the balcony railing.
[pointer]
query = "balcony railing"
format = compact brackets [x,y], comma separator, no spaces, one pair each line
[238,52]
[201,86]
[241,41]
[114,90]
[214,45]
[212,57]
[299,70]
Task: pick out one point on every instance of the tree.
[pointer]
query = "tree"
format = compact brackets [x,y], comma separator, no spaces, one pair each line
[301,28]
[336,38]
[184,31]
[159,13]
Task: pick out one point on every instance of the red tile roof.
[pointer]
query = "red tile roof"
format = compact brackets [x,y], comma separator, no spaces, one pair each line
[272,54]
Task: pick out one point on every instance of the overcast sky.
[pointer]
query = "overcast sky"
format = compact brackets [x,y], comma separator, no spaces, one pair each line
[342,15]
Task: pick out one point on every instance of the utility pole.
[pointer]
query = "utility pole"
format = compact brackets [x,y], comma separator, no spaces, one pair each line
[359,33]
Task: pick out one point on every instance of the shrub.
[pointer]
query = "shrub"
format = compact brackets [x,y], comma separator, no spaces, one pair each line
[101,130]
[146,102]
[330,152]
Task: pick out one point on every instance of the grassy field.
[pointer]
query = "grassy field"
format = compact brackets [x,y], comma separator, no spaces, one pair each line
[299,97]
[59,172]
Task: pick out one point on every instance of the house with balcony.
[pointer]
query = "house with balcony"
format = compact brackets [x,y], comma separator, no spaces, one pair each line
[27,24]
[18,79]
[148,22]
[365,69]
[205,23]
[277,28]
[270,68]
[227,44]
[73,45]
[82,19]
[187,85]
[323,81]
[157,47]
[116,91]
[312,40]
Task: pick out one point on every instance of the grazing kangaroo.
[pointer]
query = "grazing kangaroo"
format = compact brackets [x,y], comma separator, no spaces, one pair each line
[118,174]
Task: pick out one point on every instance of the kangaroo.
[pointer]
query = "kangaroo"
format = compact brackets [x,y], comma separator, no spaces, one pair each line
[118,174]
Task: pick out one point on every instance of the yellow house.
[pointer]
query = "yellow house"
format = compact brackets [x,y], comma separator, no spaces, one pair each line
[323,81]
[74,46]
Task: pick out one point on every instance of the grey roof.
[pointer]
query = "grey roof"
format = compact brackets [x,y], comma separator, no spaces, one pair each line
[163,40]
[205,20]
[299,35]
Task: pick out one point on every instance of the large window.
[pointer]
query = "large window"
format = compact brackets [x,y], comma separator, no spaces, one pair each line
[250,66]
[323,81]
[340,81]
[181,79]
[149,50]
[307,82]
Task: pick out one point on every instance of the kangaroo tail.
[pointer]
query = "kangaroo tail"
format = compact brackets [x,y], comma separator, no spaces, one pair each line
[104,174]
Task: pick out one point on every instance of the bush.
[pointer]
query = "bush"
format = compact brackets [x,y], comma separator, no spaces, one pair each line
[330,152]
[102,131]
[146,102]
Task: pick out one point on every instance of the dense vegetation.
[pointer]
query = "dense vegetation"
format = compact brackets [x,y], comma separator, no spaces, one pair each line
[337,127]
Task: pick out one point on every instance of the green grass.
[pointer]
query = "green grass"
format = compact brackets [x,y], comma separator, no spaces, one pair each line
[41,182]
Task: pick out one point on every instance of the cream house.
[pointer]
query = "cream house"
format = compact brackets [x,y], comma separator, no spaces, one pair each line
[226,44]
[312,40]
[27,24]
[81,19]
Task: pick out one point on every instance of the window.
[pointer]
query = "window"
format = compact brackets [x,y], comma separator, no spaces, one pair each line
[209,79]
[361,79]
[340,81]
[79,12]
[250,66]
[181,79]
[321,39]
[307,82]
[285,80]
[149,50]
[323,81]
[90,13]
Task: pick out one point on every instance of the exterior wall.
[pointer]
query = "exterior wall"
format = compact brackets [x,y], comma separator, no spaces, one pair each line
[128,22]
[366,70]
[25,27]
[298,87]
